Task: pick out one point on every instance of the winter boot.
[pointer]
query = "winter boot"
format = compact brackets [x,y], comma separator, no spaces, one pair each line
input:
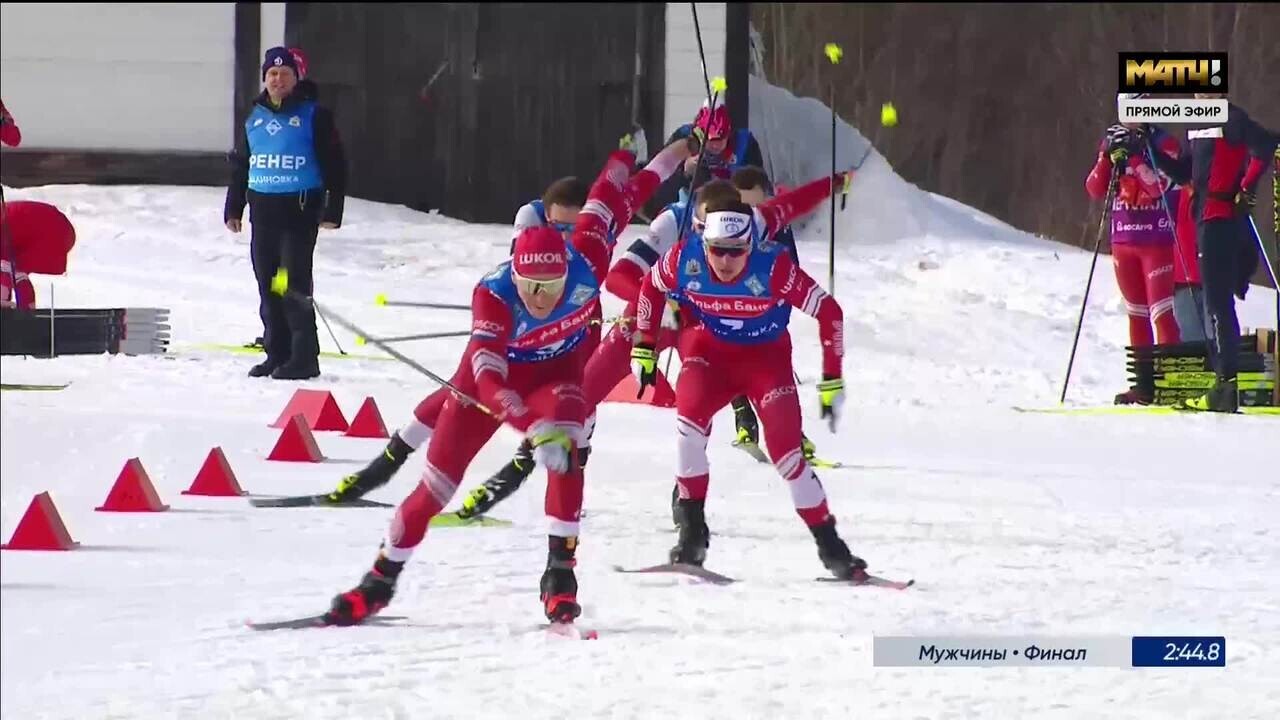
[1223,398]
[377,473]
[559,586]
[695,538]
[297,369]
[304,360]
[501,485]
[265,368]
[835,555]
[369,597]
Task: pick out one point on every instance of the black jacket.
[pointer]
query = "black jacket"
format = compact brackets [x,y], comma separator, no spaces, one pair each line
[1214,161]
[329,153]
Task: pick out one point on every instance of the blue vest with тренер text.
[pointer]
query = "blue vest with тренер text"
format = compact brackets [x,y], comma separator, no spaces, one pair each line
[282,156]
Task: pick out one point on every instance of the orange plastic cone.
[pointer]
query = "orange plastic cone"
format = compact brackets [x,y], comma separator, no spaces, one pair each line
[296,443]
[41,528]
[368,422]
[133,491]
[318,407]
[215,479]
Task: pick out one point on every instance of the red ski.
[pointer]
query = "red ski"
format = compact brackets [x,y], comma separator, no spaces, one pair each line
[683,569]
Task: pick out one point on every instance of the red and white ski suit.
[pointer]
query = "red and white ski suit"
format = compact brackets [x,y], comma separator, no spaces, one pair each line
[716,370]
[523,393]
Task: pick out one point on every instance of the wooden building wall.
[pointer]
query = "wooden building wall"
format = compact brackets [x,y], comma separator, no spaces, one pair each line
[528,92]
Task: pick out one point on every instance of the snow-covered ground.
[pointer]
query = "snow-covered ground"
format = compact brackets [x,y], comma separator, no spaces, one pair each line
[1011,523]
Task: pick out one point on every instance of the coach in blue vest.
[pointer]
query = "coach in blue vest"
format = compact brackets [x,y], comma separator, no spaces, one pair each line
[288,166]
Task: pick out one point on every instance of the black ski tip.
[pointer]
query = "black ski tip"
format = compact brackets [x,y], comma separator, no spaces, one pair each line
[321,500]
[319,621]
[871,581]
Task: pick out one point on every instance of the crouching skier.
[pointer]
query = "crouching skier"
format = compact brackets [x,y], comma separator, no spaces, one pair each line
[613,209]
[740,292]
[530,324]
[526,358]
[557,209]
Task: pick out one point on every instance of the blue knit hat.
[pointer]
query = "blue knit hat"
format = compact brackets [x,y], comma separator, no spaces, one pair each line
[279,57]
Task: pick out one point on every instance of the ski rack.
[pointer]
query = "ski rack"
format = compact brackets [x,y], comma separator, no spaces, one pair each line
[1173,372]
[50,332]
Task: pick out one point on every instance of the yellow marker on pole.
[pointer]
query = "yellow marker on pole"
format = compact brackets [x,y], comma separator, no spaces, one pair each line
[834,53]
[360,340]
[280,282]
[888,115]
[380,299]
[719,84]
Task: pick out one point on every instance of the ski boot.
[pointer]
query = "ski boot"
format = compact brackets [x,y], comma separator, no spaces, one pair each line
[807,447]
[691,546]
[501,485]
[369,597]
[675,505]
[376,474]
[835,555]
[1223,398]
[744,418]
[559,586]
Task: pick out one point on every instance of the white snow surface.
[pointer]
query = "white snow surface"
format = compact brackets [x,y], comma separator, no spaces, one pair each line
[1011,523]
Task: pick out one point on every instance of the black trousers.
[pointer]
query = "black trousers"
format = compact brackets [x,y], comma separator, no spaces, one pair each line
[284,235]
[1228,255]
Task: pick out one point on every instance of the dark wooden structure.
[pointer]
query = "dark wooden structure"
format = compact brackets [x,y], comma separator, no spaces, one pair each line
[523,93]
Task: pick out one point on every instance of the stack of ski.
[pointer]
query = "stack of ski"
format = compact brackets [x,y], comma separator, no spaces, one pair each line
[1173,372]
[84,331]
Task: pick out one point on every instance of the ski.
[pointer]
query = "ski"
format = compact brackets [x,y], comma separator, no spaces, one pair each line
[752,449]
[826,464]
[318,621]
[453,519]
[683,569]
[33,386]
[873,581]
[312,501]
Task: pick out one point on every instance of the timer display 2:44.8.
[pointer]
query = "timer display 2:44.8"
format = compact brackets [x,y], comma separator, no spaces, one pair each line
[1179,651]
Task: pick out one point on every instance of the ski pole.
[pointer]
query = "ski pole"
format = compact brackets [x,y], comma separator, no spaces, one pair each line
[361,340]
[1266,260]
[331,335]
[280,286]
[382,300]
[1097,245]
[1177,250]
[833,53]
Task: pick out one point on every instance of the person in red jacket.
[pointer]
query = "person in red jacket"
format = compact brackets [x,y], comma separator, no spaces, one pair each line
[1223,177]
[9,133]
[1188,295]
[738,289]
[1142,241]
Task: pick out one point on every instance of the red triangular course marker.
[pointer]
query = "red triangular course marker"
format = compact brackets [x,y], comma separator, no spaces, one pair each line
[296,443]
[215,479]
[319,409]
[659,395]
[368,422]
[133,491]
[41,528]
